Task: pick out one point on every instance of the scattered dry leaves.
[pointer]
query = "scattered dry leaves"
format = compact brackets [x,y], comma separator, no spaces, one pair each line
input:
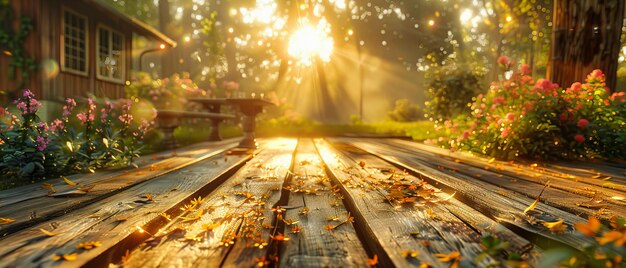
[373,261]
[89,245]
[534,204]
[4,221]
[48,233]
[453,258]
[65,257]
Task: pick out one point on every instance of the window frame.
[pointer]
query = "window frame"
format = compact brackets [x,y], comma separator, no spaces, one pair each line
[122,65]
[65,10]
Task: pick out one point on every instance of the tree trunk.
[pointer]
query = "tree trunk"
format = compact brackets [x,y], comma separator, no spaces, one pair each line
[585,36]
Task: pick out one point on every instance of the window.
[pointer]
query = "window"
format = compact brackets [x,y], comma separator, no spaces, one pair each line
[110,54]
[74,43]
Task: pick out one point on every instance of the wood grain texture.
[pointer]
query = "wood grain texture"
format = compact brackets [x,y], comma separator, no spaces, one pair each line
[573,197]
[312,203]
[592,174]
[231,221]
[30,204]
[502,205]
[466,214]
[427,228]
[114,220]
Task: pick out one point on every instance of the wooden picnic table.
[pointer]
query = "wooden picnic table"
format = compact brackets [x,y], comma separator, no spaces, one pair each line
[335,202]
[249,107]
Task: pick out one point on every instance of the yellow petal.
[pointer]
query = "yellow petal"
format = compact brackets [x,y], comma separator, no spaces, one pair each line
[48,233]
[69,182]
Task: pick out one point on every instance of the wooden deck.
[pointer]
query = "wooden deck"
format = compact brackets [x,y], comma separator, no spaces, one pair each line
[336,202]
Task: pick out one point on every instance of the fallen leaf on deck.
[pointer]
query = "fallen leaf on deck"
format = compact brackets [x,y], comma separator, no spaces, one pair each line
[196,217]
[89,245]
[410,253]
[279,237]
[491,160]
[448,198]
[48,233]
[534,204]
[590,228]
[69,182]
[48,186]
[555,227]
[166,216]
[122,219]
[373,261]
[454,258]
[86,188]
[210,227]
[4,221]
[149,197]
[296,229]
[66,257]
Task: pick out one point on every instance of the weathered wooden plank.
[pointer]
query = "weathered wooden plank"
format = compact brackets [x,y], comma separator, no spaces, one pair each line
[25,192]
[223,230]
[573,202]
[482,224]
[38,207]
[312,204]
[392,230]
[588,176]
[502,205]
[115,221]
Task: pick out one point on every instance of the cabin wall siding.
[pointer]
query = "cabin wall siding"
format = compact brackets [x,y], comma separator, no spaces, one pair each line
[32,9]
[44,43]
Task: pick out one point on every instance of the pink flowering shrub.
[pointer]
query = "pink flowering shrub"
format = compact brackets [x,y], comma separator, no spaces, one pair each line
[81,140]
[167,93]
[521,117]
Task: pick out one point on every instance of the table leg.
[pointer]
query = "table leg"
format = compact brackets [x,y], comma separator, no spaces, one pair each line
[168,137]
[215,130]
[249,125]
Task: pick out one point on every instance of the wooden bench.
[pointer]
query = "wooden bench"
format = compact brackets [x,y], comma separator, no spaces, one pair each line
[168,120]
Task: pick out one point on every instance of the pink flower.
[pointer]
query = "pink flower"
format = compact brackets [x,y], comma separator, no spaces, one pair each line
[510,116]
[575,88]
[506,132]
[596,74]
[583,123]
[465,135]
[22,106]
[28,94]
[579,138]
[525,69]
[41,143]
[70,104]
[503,60]
[56,125]
[546,86]
[498,99]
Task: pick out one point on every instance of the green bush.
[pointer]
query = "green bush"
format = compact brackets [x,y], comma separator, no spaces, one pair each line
[450,89]
[406,111]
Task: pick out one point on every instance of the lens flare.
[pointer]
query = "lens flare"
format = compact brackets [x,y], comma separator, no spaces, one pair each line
[311,41]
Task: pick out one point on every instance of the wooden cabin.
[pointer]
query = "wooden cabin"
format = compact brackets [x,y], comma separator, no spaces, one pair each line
[79,47]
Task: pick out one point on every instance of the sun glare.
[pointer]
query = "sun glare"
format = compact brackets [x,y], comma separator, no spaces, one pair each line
[311,41]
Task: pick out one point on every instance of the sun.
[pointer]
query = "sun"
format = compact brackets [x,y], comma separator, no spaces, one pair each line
[310,41]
